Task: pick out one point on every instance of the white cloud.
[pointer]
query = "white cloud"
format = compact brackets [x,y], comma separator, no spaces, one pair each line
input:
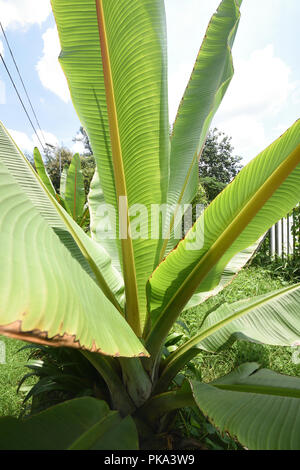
[261,85]
[177,83]
[248,134]
[27,144]
[78,147]
[262,94]
[296,94]
[259,90]
[1,48]
[258,93]
[22,140]
[24,13]
[49,69]
[49,138]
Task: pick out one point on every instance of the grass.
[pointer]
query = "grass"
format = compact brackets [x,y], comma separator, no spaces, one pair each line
[10,375]
[250,282]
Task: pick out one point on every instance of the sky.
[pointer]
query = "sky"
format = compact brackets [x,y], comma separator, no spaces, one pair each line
[262,101]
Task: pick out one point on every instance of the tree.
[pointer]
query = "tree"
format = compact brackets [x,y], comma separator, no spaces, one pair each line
[217,165]
[88,166]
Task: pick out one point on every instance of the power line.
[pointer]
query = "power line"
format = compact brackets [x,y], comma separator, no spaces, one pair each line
[21,101]
[22,81]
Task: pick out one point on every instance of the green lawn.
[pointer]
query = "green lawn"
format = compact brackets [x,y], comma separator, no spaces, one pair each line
[250,282]
[10,375]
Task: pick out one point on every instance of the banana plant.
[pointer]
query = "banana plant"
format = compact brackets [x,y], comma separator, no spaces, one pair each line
[116,299]
[72,193]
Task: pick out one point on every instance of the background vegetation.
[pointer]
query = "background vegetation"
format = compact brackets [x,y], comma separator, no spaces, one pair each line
[217,167]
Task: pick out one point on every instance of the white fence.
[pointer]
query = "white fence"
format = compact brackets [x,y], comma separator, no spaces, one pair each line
[281,238]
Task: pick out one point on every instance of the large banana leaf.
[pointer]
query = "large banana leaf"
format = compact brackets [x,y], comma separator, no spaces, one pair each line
[80,424]
[258,407]
[93,258]
[49,290]
[74,192]
[207,86]
[272,319]
[263,192]
[134,52]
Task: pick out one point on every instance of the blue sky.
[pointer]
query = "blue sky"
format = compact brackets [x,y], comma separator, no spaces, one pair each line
[263,99]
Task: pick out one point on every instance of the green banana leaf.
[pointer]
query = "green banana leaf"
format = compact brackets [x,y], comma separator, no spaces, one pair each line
[135,36]
[263,192]
[260,408]
[49,291]
[74,192]
[272,319]
[231,270]
[207,86]
[93,258]
[79,424]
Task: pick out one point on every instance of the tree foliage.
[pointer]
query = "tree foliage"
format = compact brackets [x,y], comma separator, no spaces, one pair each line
[218,165]
[60,157]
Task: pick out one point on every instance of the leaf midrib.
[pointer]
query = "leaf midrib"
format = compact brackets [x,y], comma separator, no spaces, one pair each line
[131,289]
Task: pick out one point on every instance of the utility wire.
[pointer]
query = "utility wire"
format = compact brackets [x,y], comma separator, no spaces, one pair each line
[23,84]
[21,101]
